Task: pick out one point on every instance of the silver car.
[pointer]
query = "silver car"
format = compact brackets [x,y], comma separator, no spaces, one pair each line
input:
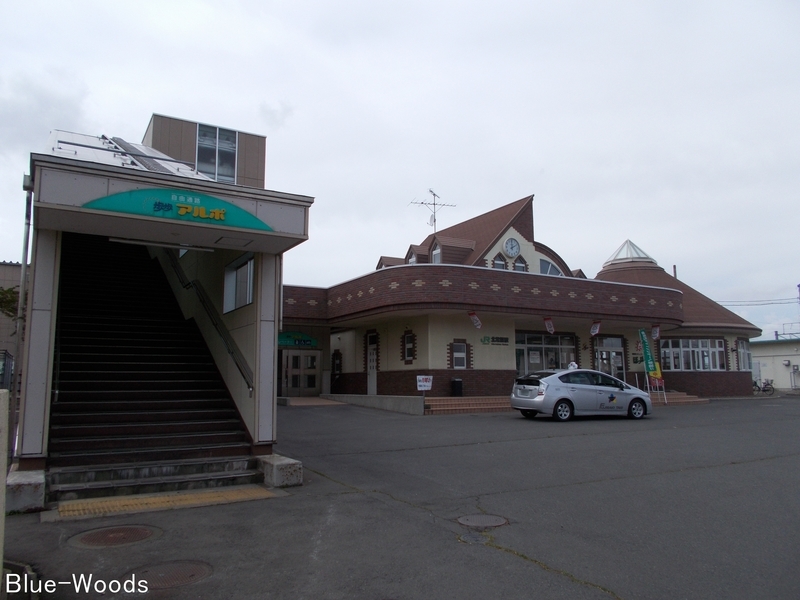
[564,394]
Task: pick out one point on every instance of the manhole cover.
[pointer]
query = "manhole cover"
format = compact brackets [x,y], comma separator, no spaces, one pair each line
[112,537]
[482,521]
[472,538]
[172,574]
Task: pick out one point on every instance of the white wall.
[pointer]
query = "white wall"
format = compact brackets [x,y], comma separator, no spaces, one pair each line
[771,357]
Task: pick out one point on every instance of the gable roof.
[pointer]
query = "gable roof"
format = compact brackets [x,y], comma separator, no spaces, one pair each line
[485,230]
[390,261]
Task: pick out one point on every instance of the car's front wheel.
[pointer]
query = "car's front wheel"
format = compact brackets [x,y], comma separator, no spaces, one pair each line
[528,414]
[636,410]
[562,411]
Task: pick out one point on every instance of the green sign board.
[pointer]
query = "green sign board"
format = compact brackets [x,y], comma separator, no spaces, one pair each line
[179,205]
[653,369]
[297,339]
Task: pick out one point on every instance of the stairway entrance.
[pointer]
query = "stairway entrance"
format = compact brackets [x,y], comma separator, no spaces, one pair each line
[134,382]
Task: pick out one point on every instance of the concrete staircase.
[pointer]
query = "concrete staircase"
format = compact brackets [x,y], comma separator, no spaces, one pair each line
[467,404]
[677,399]
[139,404]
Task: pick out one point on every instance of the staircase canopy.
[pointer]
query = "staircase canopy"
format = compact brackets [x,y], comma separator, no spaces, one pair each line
[102,186]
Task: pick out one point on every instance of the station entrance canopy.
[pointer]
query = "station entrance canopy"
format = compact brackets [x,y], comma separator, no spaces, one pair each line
[105,186]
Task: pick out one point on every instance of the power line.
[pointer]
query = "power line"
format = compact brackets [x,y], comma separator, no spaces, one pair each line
[758,302]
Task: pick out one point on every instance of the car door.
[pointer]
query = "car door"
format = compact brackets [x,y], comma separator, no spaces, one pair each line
[609,397]
[581,388]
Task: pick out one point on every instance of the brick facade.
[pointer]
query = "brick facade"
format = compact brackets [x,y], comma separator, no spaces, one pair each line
[404,383]
[425,287]
[474,382]
[350,383]
[710,384]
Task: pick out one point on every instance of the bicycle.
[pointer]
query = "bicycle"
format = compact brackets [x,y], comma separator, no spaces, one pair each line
[765,389]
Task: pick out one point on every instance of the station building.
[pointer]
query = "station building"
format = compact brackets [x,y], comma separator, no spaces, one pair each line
[476,304]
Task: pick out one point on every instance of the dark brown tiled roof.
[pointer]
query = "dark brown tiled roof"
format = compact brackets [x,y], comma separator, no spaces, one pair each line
[421,252]
[485,230]
[699,311]
[390,261]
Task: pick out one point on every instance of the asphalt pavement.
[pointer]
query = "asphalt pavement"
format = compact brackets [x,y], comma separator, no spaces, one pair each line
[691,502]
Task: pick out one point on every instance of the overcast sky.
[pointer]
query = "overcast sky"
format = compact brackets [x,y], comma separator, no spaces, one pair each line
[673,124]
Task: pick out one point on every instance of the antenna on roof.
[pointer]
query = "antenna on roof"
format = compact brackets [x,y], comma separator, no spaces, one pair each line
[433,207]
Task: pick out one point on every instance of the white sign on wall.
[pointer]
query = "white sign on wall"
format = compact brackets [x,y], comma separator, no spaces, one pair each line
[424,382]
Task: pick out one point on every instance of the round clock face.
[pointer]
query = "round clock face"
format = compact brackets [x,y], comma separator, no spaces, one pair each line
[511,247]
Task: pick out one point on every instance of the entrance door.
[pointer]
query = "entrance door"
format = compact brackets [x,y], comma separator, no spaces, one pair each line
[609,357]
[301,372]
[372,364]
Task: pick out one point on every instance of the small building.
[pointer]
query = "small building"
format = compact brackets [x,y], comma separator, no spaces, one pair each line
[777,360]
[153,309]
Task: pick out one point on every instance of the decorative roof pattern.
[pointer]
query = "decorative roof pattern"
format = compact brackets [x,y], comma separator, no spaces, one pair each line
[447,287]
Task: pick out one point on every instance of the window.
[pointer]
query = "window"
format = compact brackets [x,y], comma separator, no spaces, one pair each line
[238,285]
[548,268]
[216,153]
[537,351]
[520,264]
[436,255]
[409,347]
[744,355]
[692,355]
[499,262]
[459,355]
[412,260]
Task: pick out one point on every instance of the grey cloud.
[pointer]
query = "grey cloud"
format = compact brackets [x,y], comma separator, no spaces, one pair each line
[31,108]
[275,117]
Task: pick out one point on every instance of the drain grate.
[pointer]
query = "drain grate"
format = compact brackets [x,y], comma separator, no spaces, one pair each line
[482,521]
[172,574]
[113,537]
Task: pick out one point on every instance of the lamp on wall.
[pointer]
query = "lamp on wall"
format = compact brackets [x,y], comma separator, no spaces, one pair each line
[786,363]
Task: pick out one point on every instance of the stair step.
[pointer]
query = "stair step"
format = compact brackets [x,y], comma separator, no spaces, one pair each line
[467,410]
[141,427]
[152,416]
[126,386]
[152,485]
[59,459]
[143,470]
[451,405]
[68,396]
[121,442]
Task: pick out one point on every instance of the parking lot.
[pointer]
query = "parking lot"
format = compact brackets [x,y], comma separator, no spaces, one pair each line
[690,502]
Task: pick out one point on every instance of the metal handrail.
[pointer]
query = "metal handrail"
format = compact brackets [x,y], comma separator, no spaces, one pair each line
[216,319]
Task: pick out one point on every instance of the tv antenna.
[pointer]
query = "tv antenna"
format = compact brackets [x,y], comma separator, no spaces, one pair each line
[433,207]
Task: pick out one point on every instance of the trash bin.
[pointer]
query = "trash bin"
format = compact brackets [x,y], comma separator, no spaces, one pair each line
[456,387]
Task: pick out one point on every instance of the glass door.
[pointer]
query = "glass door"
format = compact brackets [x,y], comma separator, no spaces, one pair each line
[609,356]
